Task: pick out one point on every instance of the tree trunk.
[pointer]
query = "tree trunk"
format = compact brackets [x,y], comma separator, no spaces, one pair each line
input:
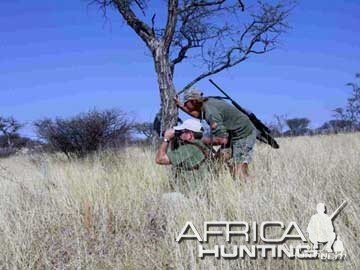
[168,109]
[8,140]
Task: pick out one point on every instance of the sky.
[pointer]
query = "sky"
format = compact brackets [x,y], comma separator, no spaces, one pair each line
[60,58]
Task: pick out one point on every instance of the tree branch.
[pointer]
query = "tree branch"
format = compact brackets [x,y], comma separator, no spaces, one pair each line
[153,25]
[214,71]
[141,28]
[258,37]
[203,3]
[171,23]
[192,32]
[182,53]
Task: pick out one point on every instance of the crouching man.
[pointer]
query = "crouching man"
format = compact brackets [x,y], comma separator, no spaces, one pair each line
[190,160]
[229,126]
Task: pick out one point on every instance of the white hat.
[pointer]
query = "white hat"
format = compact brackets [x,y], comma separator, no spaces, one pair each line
[190,124]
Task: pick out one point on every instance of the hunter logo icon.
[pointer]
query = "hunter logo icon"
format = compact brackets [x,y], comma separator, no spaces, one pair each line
[322,242]
[321,229]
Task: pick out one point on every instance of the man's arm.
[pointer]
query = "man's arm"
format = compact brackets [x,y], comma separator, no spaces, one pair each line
[215,140]
[218,130]
[195,114]
[161,155]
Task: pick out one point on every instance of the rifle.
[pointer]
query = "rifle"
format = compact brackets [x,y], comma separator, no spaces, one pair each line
[337,211]
[264,132]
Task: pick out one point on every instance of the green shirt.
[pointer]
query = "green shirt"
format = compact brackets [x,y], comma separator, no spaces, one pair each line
[188,156]
[191,165]
[226,119]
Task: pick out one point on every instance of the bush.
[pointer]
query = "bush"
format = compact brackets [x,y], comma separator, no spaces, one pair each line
[336,126]
[85,133]
[7,152]
[17,141]
[9,128]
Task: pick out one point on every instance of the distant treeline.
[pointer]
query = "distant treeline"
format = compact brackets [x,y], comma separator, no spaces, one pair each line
[346,119]
[285,127]
[96,130]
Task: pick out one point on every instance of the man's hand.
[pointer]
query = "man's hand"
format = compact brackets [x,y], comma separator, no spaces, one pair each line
[161,155]
[177,101]
[169,134]
[215,140]
[182,106]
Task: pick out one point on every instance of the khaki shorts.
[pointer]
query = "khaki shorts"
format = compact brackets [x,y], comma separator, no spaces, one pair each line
[243,149]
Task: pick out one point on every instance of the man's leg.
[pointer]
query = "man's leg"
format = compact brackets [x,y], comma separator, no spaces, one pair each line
[313,239]
[244,169]
[243,150]
[330,243]
[241,171]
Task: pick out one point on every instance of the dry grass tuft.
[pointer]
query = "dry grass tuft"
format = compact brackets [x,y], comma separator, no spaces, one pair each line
[107,212]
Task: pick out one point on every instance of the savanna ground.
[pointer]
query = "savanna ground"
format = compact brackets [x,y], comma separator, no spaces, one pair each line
[107,211]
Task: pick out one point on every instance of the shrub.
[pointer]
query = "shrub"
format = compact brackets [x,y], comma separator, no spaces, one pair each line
[86,132]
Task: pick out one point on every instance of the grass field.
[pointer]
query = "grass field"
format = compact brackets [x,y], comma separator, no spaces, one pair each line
[107,212]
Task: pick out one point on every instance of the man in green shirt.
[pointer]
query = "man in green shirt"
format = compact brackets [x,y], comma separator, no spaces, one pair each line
[229,126]
[190,160]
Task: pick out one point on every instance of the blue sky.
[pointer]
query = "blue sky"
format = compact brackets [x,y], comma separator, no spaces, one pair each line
[59,58]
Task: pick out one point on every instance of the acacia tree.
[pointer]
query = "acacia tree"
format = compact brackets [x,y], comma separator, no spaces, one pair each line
[144,129]
[298,126]
[9,128]
[351,112]
[216,34]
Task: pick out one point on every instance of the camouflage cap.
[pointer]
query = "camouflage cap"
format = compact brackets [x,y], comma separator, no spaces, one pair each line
[193,94]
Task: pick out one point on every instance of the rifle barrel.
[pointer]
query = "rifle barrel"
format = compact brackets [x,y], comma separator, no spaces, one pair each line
[337,211]
[229,98]
[260,126]
[218,87]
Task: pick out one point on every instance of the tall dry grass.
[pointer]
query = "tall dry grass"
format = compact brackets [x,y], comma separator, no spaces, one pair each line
[107,212]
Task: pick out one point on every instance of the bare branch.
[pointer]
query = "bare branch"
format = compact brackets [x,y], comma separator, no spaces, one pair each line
[241,5]
[141,28]
[124,7]
[184,48]
[153,24]
[192,32]
[171,23]
[217,70]
[182,53]
[197,4]
[230,47]
[141,5]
